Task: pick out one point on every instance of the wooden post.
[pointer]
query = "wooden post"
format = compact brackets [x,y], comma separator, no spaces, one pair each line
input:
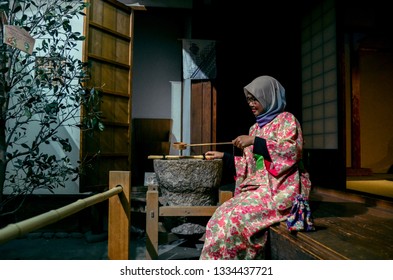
[224,196]
[119,216]
[152,224]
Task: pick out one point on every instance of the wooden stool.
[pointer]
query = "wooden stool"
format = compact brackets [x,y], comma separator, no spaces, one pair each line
[153,212]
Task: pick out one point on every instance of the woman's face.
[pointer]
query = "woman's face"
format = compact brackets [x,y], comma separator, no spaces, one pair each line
[254,104]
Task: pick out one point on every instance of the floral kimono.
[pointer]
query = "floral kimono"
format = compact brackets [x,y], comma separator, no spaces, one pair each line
[264,193]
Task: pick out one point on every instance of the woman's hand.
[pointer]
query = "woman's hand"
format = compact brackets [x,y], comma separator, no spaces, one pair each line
[214,155]
[243,141]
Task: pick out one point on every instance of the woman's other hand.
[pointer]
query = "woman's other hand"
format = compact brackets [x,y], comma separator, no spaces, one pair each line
[214,155]
[243,141]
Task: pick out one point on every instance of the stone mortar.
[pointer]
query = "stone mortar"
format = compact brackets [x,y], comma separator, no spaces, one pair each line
[188,182]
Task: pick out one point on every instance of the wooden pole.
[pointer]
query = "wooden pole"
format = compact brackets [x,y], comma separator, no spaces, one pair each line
[119,219]
[16,230]
[179,157]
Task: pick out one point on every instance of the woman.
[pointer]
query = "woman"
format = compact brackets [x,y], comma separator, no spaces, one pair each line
[268,177]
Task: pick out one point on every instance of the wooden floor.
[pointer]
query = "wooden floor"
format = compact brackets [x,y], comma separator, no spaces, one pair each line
[348,226]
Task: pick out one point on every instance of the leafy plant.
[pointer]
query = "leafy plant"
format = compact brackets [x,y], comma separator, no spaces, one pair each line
[40,94]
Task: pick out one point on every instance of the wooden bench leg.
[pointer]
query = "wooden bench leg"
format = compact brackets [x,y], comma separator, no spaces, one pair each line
[152,225]
[224,196]
[152,214]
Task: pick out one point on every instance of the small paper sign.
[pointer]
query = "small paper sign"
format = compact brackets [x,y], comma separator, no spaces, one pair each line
[18,38]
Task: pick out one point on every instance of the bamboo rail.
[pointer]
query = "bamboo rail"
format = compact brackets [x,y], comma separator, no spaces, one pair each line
[119,216]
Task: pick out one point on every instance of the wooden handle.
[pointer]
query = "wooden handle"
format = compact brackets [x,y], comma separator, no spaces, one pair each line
[209,144]
[155,157]
[177,157]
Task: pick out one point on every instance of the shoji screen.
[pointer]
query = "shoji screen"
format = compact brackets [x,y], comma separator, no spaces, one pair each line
[319,77]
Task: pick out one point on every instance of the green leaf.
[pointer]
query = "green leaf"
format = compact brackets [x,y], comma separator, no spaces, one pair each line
[25,146]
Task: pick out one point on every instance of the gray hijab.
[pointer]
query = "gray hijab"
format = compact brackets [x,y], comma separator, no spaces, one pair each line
[271,94]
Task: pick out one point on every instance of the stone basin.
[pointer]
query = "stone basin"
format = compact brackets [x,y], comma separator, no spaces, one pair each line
[188,182]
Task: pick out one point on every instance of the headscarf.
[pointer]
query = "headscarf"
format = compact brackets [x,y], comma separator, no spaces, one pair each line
[271,94]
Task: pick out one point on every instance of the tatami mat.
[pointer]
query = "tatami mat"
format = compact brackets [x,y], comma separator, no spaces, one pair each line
[377,187]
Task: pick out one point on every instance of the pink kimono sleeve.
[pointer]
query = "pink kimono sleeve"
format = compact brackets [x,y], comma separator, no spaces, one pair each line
[285,148]
[241,172]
